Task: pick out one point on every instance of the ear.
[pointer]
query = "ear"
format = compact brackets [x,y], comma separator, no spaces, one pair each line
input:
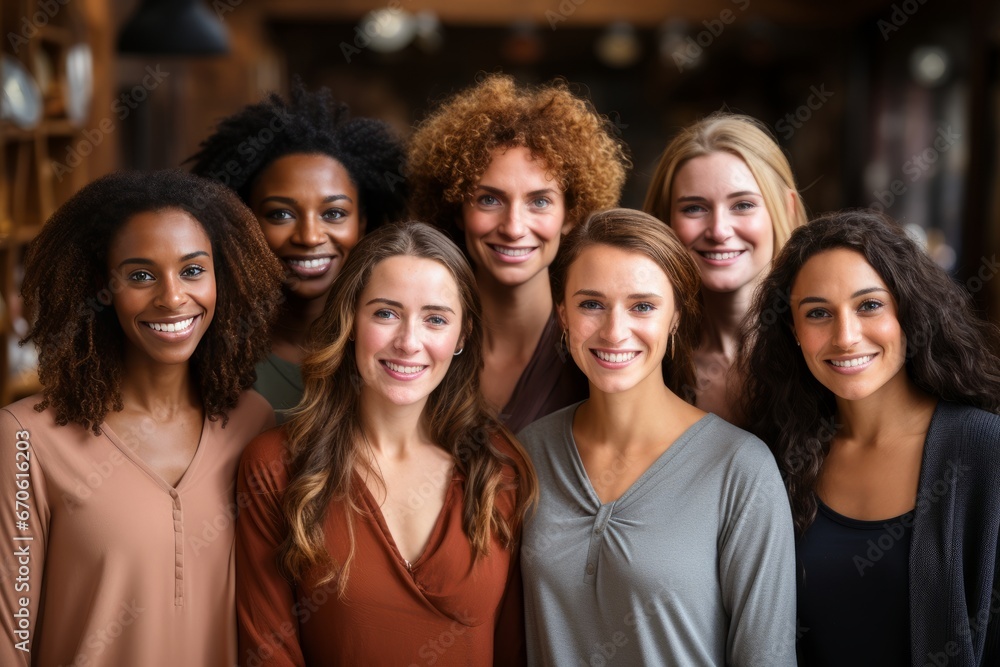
[561,314]
[795,335]
[790,201]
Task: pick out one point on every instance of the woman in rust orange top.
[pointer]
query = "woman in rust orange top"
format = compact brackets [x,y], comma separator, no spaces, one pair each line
[380,525]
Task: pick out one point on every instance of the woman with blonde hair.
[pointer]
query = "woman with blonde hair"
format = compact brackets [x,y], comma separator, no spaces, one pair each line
[726,188]
[662,535]
[507,170]
[381,524]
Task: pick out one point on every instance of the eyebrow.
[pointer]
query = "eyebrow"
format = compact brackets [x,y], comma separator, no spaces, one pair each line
[860,292]
[637,295]
[144,260]
[293,201]
[533,193]
[731,195]
[397,304]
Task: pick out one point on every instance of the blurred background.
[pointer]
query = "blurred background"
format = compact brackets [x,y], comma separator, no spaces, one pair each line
[889,104]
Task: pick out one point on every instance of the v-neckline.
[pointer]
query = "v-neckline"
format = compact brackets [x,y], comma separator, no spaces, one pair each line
[654,468]
[432,538]
[145,467]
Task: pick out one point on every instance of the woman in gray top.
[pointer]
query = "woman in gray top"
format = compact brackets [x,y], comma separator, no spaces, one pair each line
[663,534]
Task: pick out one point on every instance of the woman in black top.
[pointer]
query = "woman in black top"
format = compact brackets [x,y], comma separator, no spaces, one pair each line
[878,390]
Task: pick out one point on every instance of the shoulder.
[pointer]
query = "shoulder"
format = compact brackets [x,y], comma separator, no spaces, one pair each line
[725,442]
[22,416]
[963,435]
[252,414]
[264,465]
[551,426]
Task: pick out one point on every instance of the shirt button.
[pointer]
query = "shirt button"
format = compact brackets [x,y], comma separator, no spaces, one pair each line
[590,568]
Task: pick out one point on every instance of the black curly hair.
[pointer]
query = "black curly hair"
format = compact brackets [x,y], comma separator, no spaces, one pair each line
[950,352]
[68,290]
[244,144]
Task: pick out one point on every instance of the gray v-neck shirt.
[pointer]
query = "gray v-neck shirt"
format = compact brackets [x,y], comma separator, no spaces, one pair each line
[693,565]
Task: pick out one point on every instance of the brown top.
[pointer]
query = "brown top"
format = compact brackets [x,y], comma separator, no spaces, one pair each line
[550,381]
[112,565]
[443,609]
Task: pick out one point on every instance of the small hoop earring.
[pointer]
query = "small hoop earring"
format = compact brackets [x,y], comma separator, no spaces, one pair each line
[460,351]
[564,340]
[351,338]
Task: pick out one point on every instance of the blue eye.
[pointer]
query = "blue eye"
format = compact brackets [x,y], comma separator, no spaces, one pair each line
[488,200]
[744,206]
[437,320]
[693,208]
[384,314]
[644,307]
[541,202]
[590,305]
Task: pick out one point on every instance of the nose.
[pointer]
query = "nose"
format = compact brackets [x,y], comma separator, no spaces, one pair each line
[513,225]
[308,231]
[407,340]
[720,228]
[848,332]
[172,294]
[615,328]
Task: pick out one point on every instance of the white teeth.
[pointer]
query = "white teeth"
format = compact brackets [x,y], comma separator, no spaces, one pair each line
[309,263]
[512,252]
[860,361]
[404,369]
[615,358]
[722,255]
[171,327]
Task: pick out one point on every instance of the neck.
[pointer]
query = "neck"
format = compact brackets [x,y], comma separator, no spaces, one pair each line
[393,430]
[514,316]
[157,389]
[720,323]
[623,419]
[894,408]
[296,315]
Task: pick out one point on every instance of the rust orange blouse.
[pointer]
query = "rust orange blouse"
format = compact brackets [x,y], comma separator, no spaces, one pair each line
[444,609]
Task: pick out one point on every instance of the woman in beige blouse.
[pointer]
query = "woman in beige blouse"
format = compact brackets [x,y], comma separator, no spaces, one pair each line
[118,479]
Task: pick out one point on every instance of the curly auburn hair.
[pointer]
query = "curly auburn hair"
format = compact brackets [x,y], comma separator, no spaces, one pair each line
[246,143]
[950,352]
[748,139]
[453,147]
[635,231]
[325,434]
[68,289]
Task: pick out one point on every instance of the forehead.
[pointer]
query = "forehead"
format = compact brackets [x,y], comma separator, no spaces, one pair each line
[167,233]
[413,281]
[716,170]
[515,166]
[304,171]
[606,268]
[837,272]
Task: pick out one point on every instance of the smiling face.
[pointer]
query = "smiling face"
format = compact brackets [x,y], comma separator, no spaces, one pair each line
[719,213]
[514,220]
[619,311]
[163,262]
[309,211]
[846,322]
[407,329]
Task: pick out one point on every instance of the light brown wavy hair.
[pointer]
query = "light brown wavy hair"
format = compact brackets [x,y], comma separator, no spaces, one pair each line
[453,147]
[635,231]
[746,138]
[326,437]
[70,293]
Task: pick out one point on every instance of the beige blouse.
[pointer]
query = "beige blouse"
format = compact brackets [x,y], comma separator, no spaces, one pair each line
[103,562]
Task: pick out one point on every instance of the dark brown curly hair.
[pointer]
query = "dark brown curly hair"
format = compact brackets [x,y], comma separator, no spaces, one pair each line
[950,352]
[453,147]
[68,290]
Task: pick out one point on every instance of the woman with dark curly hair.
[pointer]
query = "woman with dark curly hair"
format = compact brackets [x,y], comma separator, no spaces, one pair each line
[662,535]
[727,190]
[146,289]
[382,522]
[878,389]
[316,180]
[507,171]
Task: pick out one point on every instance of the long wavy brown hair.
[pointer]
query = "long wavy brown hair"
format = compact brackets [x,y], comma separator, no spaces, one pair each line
[325,434]
[70,293]
[950,352]
[641,233]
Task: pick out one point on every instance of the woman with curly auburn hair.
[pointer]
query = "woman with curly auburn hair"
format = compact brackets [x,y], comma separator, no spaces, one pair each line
[662,535]
[382,522]
[316,180]
[507,170]
[147,291]
[878,389]
[724,185]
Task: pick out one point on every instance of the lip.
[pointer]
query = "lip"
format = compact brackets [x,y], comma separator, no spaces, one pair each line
[173,336]
[319,265]
[717,261]
[500,251]
[399,375]
[851,370]
[605,363]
